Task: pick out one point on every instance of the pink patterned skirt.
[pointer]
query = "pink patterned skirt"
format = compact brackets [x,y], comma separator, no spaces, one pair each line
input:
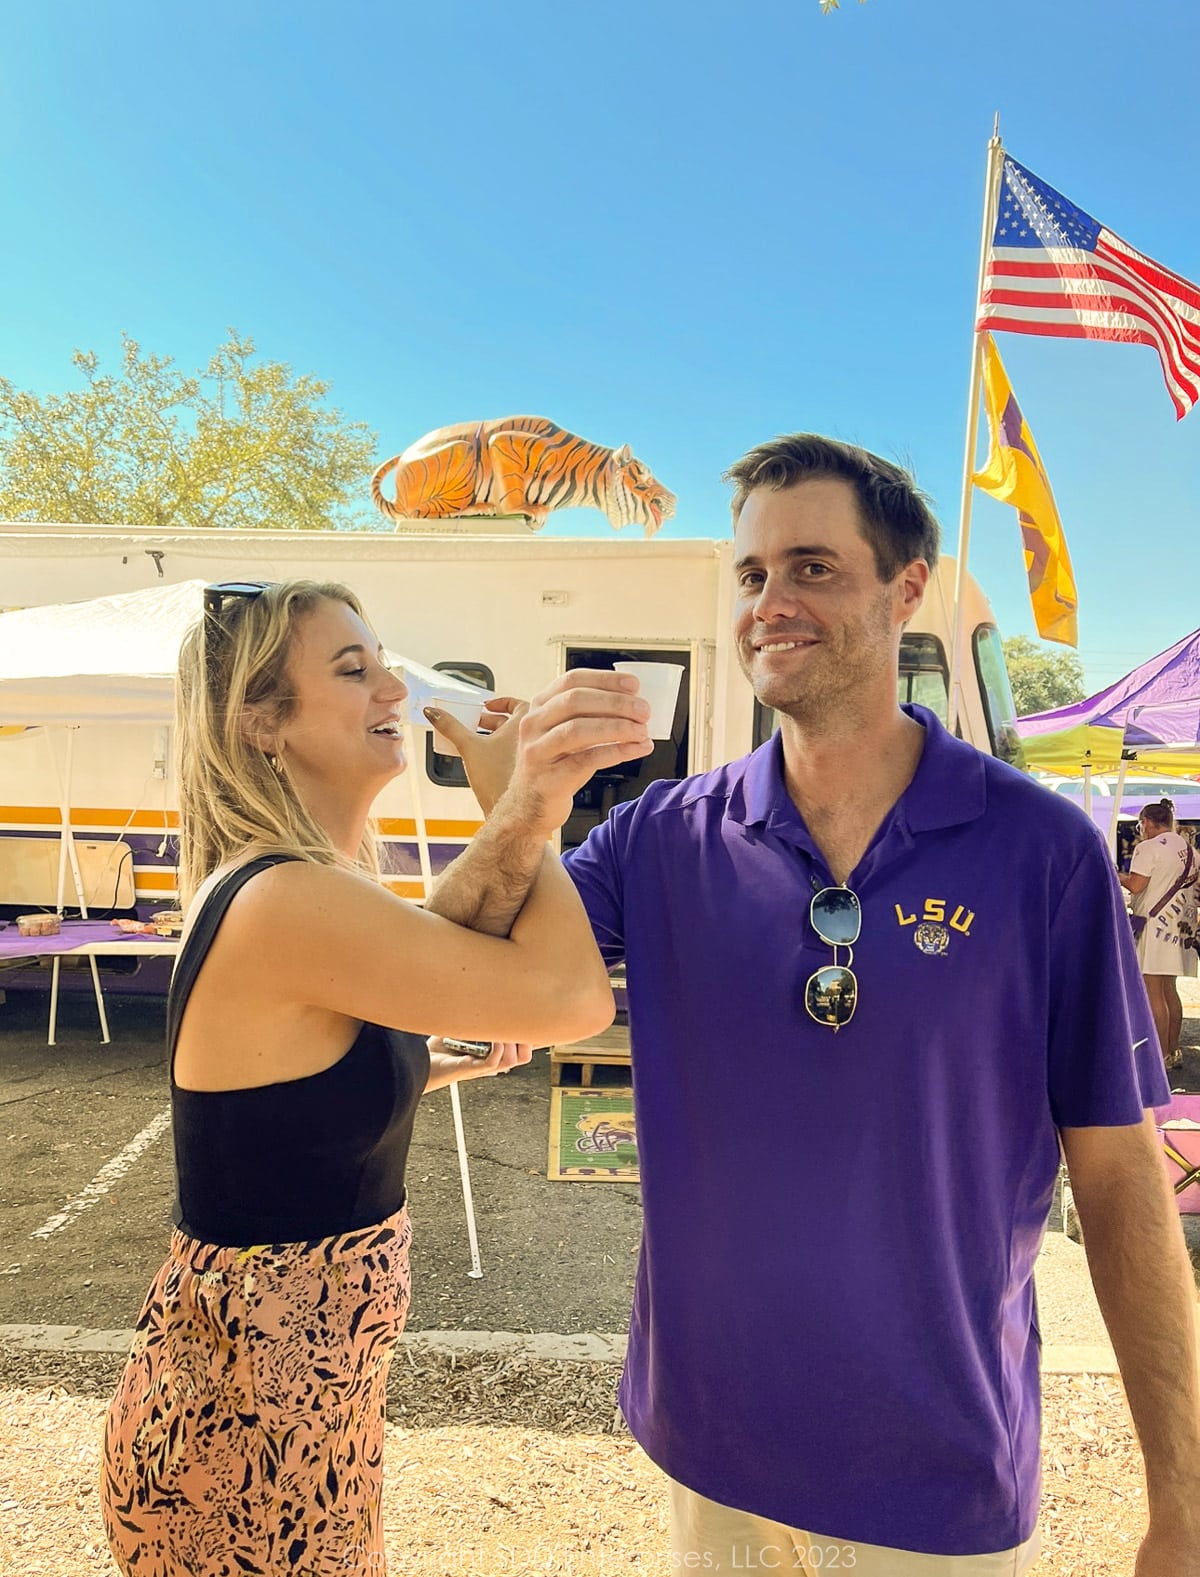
[246,1436]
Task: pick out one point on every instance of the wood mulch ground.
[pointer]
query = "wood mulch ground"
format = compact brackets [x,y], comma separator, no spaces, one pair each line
[504,1467]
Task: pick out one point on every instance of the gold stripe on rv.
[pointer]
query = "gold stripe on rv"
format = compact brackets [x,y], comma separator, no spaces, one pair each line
[83,817]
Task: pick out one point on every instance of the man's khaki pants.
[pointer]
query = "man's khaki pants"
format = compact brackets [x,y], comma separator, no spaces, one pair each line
[717,1541]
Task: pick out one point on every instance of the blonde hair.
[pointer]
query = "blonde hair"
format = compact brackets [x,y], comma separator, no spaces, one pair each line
[233,796]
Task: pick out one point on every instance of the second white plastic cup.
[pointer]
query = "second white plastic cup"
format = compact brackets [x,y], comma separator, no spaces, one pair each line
[658,683]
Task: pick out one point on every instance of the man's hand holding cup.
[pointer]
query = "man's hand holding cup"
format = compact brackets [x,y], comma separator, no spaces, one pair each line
[541,754]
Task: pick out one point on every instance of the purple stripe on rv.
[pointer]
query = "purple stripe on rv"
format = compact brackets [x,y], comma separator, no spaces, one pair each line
[399,858]
[403,859]
[143,844]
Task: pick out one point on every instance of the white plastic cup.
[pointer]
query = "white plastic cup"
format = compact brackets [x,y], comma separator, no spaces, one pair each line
[658,683]
[468,714]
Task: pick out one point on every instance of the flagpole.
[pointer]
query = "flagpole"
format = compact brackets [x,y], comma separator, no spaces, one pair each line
[991,191]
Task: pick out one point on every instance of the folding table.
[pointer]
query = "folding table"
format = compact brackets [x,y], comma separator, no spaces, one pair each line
[90,939]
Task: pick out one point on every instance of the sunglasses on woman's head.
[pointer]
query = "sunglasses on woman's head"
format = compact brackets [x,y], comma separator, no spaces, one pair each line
[216,596]
[216,599]
[831,994]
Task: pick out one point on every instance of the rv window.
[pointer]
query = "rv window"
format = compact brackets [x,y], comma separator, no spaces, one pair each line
[996,692]
[448,771]
[469,673]
[923,677]
[766,721]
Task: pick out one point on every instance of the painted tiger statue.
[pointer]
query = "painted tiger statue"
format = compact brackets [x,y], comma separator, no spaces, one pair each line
[519,465]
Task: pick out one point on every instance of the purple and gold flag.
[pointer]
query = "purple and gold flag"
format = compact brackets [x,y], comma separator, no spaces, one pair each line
[1015,475]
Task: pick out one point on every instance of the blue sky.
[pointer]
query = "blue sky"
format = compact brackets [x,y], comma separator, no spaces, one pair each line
[686,227]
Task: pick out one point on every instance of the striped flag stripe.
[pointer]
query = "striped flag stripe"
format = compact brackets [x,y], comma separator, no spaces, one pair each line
[1066,327]
[1067,322]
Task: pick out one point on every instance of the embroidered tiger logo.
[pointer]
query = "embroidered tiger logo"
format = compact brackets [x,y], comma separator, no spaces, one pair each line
[519,465]
[932,939]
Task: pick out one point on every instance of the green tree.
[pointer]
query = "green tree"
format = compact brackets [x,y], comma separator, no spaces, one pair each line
[1042,679]
[242,443]
[833,5]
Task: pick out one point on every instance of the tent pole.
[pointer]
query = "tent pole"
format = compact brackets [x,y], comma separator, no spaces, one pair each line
[63,822]
[413,775]
[460,1138]
[464,1172]
[1087,788]
[66,846]
[1116,810]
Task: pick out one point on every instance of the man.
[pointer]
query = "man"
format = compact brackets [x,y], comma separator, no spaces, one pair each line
[873,977]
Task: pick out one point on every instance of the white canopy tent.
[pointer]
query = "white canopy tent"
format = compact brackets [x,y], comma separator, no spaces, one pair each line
[112,661]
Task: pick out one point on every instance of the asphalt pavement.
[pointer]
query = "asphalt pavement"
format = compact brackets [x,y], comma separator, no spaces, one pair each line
[86,1185]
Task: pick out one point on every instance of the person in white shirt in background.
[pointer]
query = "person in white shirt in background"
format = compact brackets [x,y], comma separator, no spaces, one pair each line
[1164,866]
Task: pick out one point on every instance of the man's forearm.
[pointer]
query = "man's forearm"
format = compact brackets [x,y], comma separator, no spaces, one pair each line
[486,887]
[1145,1290]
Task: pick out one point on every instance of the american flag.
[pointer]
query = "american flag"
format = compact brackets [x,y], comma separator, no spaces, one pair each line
[1052,269]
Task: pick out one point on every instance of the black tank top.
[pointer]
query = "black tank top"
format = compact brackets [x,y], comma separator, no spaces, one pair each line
[305,1158]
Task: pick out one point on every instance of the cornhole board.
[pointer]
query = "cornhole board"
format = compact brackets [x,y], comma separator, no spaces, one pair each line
[593,1137]
[1186,1144]
[29,873]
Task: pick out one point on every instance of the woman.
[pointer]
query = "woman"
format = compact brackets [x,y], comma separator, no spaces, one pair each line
[1161,878]
[246,1435]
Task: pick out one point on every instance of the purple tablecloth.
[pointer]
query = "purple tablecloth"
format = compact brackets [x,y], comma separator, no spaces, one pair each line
[74,933]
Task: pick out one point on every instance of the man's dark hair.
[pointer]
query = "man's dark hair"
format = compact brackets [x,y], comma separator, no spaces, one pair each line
[897,520]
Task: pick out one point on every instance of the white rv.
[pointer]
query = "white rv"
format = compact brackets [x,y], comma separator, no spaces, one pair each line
[505,611]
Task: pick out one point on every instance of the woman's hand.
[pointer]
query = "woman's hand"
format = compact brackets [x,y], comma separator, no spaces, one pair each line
[489,758]
[447,1067]
[542,754]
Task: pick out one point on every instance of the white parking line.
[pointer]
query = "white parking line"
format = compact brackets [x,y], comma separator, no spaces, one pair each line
[106,1176]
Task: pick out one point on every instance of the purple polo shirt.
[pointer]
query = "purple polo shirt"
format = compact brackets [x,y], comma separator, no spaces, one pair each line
[834,1323]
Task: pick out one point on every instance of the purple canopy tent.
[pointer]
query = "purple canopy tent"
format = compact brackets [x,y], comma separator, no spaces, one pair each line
[1093,733]
[1151,717]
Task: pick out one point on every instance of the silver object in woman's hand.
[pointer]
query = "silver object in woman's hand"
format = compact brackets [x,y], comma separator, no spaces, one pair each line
[468,1048]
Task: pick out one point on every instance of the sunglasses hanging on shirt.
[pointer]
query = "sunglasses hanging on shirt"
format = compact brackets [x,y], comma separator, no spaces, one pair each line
[831,994]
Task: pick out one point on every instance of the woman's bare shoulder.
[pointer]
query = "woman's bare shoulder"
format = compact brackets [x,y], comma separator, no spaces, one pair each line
[309,893]
[292,880]
[331,938]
